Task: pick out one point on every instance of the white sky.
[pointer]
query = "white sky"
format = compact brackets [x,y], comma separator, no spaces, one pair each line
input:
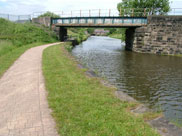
[30,6]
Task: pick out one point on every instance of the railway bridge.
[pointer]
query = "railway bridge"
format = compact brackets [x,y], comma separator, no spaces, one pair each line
[159,34]
[130,19]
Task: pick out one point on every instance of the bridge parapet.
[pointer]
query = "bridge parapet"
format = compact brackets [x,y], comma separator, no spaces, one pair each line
[100,21]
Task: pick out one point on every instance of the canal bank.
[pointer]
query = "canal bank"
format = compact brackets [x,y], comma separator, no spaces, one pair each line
[82,105]
[70,76]
[152,80]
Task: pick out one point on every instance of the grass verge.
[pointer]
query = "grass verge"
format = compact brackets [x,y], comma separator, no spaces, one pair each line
[7,57]
[16,38]
[81,105]
[116,36]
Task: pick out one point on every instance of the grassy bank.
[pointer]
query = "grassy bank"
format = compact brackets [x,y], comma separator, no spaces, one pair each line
[178,55]
[9,56]
[80,34]
[118,33]
[81,105]
[23,34]
[116,36]
[16,38]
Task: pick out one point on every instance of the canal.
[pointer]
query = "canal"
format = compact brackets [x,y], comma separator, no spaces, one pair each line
[151,79]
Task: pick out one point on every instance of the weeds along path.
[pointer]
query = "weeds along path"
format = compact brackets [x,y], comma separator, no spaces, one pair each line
[24,109]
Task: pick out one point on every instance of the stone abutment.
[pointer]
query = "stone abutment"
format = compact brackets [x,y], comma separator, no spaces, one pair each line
[162,35]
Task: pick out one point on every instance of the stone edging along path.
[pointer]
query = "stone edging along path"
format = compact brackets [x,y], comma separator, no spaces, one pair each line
[24,109]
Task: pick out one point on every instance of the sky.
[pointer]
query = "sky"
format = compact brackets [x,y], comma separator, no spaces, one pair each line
[22,7]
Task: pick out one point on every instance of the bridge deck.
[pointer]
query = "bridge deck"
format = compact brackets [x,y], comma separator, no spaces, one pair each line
[100,22]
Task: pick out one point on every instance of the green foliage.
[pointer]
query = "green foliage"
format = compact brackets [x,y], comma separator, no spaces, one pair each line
[116,36]
[17,38]
[141,7]
[90,30]
[22,34]
[80,34]
[112,30]
[118,33]
[81,105]
[49,14]
[68,46]
[5,47]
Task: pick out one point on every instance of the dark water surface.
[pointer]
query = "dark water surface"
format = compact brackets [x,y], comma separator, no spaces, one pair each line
[153,80]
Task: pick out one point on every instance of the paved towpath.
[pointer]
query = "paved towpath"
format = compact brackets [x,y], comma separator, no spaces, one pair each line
[24,109]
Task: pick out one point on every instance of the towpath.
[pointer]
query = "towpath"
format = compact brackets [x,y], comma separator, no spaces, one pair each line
[24,109]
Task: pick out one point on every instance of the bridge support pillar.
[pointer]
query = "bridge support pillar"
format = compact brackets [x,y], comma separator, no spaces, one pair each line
[129,38]
[62,34]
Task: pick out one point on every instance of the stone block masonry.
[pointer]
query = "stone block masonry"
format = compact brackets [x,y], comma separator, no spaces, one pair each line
[46,21]
[162,35]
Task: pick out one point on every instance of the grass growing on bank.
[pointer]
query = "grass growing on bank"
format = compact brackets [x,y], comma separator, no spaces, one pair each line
[22,34]
[81,105]
[116,36]
[118,33]
[80,34]
[178,55]
[10,55]
[16,38]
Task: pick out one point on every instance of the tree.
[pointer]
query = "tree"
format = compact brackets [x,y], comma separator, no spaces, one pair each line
[143,7]
[49,14]
[90,30]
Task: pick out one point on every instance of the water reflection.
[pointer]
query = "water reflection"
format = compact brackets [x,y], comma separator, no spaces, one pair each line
[151,79]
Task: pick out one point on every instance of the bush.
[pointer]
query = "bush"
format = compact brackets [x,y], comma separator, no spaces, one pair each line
[49,14]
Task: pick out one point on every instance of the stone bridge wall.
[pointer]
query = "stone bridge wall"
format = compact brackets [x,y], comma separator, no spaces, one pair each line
[46,21]
[162,35]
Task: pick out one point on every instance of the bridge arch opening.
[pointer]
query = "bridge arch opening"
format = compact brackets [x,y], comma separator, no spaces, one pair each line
[101,22]
[129,36]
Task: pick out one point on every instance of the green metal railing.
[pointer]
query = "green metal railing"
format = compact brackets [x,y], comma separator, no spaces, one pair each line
[131,12]
[100,21]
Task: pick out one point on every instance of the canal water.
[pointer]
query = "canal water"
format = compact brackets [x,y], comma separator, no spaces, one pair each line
[151,79]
